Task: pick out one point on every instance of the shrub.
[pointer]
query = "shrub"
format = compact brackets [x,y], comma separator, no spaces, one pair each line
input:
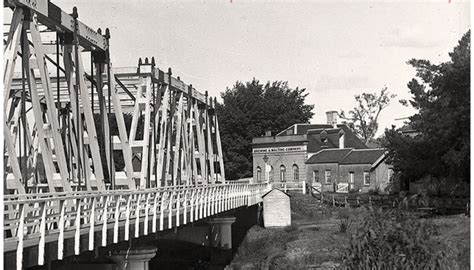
[394,240]
[345,220]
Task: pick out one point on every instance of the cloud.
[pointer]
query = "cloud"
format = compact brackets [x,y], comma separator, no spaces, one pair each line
[411,38]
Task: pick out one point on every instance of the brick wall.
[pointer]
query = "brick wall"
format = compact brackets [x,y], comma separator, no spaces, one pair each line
[278,159]
[322,168]
[358,169]
[276,209]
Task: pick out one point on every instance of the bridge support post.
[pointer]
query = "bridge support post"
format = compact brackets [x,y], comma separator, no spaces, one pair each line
[221,232]
[135,258]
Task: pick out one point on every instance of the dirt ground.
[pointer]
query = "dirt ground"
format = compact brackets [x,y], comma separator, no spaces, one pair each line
[315,241]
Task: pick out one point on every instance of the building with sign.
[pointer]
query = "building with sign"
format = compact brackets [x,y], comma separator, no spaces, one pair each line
[281,158]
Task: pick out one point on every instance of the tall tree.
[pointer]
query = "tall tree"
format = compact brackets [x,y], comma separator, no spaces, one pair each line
[363,119]
[248,110]
[441,93]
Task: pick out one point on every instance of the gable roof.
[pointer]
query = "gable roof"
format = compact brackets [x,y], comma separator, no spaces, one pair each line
[276,189]
[328,156]
[332,134]
[363,156]
[348,156]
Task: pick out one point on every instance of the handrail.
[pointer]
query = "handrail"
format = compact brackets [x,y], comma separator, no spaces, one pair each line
[35,221]
[8,199]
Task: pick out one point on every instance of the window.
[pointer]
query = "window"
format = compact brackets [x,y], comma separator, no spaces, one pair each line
[366,178]
[259,174]
[316,176]
[390,175]
[327,176]
[295,172]
[282,173]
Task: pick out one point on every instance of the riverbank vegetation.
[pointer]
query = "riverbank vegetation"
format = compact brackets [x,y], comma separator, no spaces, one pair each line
[323,237]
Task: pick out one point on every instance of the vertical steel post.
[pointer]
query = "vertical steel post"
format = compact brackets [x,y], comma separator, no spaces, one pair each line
[23,118]
[109,92]
[80,145]
[58,103]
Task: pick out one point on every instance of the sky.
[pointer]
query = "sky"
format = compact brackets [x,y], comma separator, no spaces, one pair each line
[333,49]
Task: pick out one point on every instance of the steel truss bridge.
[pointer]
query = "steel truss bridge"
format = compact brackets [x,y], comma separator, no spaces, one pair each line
[102,154]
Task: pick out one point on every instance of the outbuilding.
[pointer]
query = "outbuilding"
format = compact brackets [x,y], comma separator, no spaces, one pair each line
[276,209]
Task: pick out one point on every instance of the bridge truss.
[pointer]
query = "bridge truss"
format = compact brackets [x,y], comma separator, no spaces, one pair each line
[99,149]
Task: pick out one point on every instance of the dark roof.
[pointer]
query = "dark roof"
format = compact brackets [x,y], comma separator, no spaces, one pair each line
[312,133]
[363,156]
[328,156]
[302,129]
[315,144]
[350,139]
[327,130]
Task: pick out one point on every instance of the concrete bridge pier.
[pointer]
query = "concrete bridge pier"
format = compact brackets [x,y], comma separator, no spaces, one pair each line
[134,258]
[221,232]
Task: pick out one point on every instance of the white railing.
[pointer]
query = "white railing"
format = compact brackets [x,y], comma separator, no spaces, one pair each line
[34,219]
[293,186]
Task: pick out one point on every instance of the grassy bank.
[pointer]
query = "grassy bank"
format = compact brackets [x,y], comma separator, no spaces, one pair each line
[320,238]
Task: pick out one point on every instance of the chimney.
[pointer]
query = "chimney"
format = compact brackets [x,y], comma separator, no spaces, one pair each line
[332,118]
[268,133]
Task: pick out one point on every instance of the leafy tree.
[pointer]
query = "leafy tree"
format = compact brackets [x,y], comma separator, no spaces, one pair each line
[363,119]
[441,93]
[248,110]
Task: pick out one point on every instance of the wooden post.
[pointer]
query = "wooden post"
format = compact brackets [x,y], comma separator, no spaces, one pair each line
[62,206]
[162,210]
[117,217]
[137,214]
[20,234]
[333,201]
[147,210]
[41,246]
[92,224]
[155,210]
[77,234]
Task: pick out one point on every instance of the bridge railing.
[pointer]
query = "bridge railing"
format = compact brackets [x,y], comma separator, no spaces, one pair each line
[292,186]
[35,219]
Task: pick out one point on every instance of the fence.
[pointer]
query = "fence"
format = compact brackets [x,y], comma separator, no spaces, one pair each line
[290,186]
[443,205]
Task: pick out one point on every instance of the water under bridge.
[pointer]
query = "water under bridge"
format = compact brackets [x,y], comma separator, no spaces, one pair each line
[98,155]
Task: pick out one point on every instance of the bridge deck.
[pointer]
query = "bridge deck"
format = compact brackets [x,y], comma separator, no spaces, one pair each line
[34,220]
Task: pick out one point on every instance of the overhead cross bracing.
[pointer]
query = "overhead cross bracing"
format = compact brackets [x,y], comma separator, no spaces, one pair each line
[172,138]
[127,80]
[80,159]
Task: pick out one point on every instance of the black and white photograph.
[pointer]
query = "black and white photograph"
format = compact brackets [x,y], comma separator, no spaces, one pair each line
[236,135]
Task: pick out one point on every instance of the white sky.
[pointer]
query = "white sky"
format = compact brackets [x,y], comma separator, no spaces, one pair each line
[333,49]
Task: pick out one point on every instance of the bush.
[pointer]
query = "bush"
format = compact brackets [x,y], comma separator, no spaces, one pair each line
[345,220]
[395,240]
